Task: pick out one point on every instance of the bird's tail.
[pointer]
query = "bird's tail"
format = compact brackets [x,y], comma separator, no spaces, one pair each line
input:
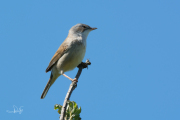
[50,82]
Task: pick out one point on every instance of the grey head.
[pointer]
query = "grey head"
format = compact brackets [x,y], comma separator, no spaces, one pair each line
[81,29]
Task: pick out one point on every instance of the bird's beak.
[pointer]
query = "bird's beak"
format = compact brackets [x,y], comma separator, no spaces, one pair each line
[93,28]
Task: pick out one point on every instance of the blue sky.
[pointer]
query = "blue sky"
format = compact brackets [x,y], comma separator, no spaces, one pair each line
[135,71]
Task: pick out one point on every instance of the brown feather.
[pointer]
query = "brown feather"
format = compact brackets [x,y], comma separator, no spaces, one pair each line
[48,85]
[59,53]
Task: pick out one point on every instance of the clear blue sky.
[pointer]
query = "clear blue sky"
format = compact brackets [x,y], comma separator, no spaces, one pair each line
[135,55]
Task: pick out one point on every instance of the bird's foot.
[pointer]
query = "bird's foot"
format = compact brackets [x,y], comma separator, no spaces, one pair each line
[74,80]
[84,64]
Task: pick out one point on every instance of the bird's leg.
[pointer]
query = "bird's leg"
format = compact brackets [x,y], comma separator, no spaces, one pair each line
[69,77]
[62,73]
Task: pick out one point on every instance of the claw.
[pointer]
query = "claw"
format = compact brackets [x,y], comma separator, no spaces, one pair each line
[74,80]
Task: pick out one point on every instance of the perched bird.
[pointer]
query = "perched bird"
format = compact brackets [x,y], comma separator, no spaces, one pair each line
[69,55]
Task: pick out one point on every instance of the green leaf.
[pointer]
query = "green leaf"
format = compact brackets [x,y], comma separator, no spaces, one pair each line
[78,111]
[72,110]
[77,118]
[59,107]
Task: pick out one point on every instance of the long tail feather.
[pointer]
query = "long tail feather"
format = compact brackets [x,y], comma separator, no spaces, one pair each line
[52,79]
[46,89]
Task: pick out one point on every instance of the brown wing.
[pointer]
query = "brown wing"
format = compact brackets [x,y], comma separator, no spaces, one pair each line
[61,50]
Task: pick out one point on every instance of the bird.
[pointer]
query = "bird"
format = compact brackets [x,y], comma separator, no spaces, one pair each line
[69,55]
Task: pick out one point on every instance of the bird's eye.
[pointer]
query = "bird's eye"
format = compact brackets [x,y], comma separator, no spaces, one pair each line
[84,26]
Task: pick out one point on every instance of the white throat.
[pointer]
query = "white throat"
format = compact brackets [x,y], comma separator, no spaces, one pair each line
[80,36]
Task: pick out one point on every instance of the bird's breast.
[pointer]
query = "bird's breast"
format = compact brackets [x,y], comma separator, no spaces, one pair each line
[72,58]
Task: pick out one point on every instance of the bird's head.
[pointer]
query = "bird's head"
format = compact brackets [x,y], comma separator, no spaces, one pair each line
[81,29]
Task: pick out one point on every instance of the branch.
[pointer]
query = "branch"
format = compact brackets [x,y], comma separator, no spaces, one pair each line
[72,86]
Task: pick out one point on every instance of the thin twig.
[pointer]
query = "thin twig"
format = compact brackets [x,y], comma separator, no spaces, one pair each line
[72,86]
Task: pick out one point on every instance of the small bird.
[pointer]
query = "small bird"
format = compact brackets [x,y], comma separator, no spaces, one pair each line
[69,55]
